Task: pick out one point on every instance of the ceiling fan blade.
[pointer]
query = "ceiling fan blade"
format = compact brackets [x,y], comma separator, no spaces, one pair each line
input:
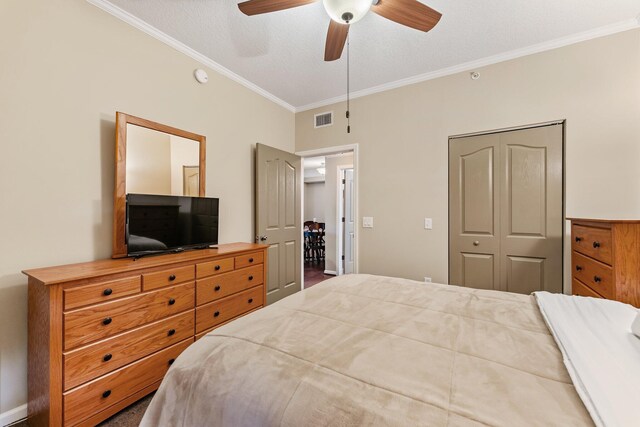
[411,13]
[256,7]
[336,37]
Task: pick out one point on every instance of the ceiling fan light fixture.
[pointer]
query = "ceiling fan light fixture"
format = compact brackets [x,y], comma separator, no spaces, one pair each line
[347,11]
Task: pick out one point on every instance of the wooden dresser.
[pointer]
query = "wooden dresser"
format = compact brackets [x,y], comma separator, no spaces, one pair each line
[605,259]
[103,334]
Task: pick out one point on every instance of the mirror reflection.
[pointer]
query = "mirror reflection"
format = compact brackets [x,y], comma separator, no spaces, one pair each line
[161,163]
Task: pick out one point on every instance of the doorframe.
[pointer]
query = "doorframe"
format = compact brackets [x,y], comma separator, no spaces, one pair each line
[565,234]
[328,151]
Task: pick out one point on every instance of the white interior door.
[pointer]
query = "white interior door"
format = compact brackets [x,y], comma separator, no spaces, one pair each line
[349,223]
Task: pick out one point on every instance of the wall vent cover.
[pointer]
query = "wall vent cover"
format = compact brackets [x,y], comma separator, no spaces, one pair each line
[323,119]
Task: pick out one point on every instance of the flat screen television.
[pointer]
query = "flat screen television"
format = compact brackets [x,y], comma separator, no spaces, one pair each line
[159,224]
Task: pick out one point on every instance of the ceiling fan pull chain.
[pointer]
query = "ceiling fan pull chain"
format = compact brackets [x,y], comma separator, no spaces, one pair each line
[348,121]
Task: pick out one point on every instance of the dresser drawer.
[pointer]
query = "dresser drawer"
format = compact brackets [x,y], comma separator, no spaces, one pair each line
[592,241]
[217,312]
[89,324]
[92,361]
[171,276]
[578,288]
[89,399]
[210,268]
[206,331]
[100,292]
[596,275]
[216,287]
[249,259]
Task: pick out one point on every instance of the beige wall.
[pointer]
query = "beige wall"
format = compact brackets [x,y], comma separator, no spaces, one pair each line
[149,157]
[66,68]
[314,201]
[184,152]
[403,139]
[332,163]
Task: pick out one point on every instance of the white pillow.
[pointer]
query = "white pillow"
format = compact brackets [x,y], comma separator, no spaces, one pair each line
[635,326]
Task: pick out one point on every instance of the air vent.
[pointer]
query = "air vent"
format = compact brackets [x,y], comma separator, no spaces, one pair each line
[323,119]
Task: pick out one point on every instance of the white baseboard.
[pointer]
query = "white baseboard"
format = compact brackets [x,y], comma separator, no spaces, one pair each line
[331,272]
[13,415]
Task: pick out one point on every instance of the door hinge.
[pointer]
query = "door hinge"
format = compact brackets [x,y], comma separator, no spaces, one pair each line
[343,257]
[344,181]
[342,219]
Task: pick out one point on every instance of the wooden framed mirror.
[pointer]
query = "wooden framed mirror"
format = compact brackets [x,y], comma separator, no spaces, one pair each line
[152,158]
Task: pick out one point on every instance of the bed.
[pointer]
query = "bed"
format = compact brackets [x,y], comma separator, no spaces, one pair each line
[371,350]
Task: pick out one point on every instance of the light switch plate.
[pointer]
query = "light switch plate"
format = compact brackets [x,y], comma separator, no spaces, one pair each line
[428,224]
[367,222]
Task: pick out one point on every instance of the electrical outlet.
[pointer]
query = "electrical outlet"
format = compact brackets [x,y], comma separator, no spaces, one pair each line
[428,224]
[367,222]
[427,279]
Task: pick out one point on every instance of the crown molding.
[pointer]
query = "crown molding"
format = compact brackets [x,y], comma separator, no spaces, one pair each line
[468,66]
[181,47]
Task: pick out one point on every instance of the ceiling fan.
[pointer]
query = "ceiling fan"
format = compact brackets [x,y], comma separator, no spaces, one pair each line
[343,13]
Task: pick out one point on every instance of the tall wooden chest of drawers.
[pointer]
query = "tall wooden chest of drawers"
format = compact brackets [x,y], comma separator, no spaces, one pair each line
[605,259]
[103,334]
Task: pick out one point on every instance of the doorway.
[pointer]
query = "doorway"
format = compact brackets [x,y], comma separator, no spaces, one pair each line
[324,192]
[506,209]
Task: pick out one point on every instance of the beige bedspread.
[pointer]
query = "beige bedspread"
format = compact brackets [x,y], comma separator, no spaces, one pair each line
[370,350]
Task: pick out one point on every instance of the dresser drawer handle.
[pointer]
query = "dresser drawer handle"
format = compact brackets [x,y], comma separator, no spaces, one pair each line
[578,268]
[597,279]
[250,278]
[250,300]
[171,361]
[250,259]
[172,301]
[217,288]
[216,268]
[171,332]
[172,277]
[578,239]
[216,314]
[596,245]
[106,394]
[106,321]
[107,357]
[107,292]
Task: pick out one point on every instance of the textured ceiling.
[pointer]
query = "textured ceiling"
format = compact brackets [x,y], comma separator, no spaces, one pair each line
[282,52]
